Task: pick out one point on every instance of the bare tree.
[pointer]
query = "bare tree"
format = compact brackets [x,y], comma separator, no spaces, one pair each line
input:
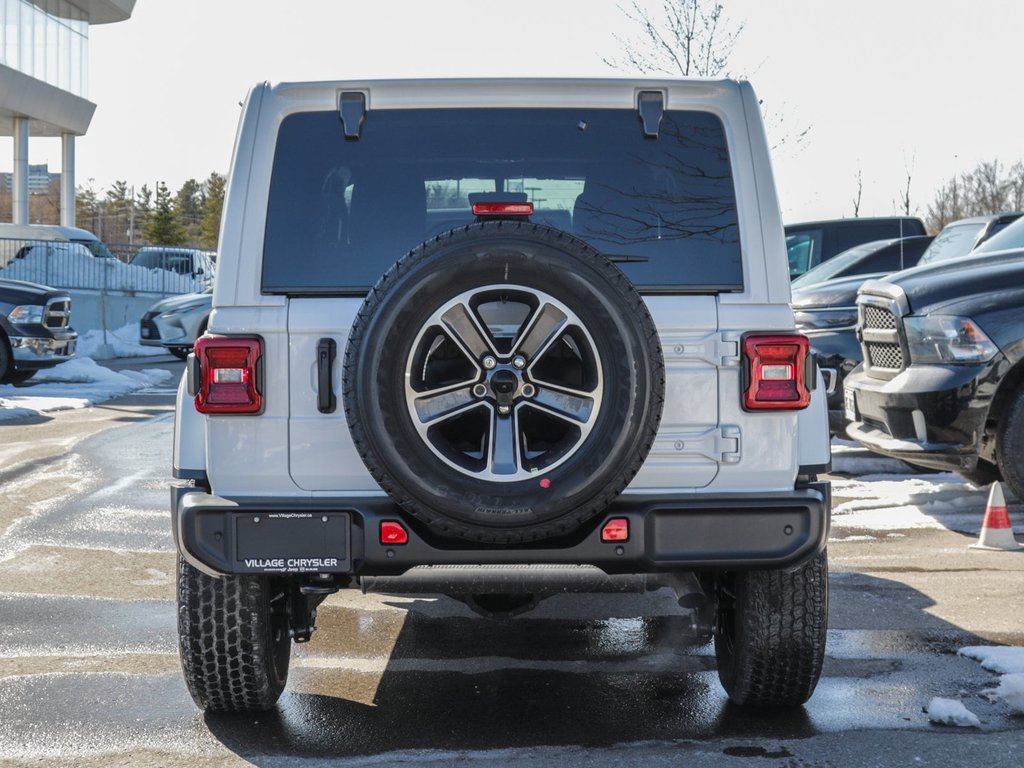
[860,191]
[904,206]
[988,188]
[692,38]
[689,38]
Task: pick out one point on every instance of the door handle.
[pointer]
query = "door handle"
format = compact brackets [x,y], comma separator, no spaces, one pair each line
[326,350]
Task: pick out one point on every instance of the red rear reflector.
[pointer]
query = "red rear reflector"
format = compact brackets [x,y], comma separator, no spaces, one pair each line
[776,370]
[502,209]
[227,375]
[392,533]
[616,529]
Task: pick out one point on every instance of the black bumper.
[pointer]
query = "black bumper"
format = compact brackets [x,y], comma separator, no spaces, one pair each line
[933,416]
[715,532]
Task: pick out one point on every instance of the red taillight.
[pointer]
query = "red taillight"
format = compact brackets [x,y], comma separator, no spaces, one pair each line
[392,532]
[502,209]
[776,368]
[227,375]
[616,529]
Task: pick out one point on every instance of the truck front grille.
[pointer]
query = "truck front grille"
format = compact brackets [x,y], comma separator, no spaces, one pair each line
[885,356]
[879,317]
[58,314]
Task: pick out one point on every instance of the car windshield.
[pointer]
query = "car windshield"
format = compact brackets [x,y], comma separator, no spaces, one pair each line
[838,263]
[96,248]
[954,241]
[342,211]
[1011,237]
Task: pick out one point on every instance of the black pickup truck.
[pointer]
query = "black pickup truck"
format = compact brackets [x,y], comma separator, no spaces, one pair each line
[942,383]
[35,329]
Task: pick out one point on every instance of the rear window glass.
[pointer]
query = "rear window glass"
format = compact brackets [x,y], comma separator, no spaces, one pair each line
[341,212]
[952,242]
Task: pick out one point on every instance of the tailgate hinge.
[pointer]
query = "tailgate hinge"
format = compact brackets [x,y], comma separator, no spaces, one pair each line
[352,109]
[721,444]
[716,349]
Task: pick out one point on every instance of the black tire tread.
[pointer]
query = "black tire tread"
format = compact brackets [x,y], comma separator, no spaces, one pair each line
[775,654]
[1010,446]
[615,485]
[225,641]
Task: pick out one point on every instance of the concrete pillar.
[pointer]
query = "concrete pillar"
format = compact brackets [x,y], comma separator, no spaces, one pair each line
[19,194]
[67,180]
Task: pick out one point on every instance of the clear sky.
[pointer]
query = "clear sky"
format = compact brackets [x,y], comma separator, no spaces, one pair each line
[885,86]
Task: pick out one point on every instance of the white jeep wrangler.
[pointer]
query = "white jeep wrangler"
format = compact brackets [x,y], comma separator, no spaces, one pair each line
[500,339]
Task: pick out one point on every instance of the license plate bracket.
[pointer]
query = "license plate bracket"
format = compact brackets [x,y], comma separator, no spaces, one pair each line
[849,404]
[292,542]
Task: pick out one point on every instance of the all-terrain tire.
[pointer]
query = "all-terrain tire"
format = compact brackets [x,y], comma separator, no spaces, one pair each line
[770,638]
[233,639]
[493,257]
[6,364]
[1010,445]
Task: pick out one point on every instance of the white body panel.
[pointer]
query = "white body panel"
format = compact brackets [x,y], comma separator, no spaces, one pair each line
[706,443]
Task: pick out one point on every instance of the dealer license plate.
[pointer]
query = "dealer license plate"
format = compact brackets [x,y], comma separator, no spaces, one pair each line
[850,404]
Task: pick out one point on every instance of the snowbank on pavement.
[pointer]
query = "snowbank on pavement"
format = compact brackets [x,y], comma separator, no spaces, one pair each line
[124,341]
[78,383]
[996,658]
[951,712]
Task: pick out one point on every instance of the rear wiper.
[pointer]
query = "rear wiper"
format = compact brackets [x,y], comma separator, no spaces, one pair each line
[619,258]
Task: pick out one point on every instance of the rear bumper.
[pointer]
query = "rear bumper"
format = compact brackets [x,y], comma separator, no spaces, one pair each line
[706,533]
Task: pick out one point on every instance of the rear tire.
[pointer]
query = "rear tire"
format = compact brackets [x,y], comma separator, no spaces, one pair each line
[17,377]
[233,639]
[770,639]
[1010,446]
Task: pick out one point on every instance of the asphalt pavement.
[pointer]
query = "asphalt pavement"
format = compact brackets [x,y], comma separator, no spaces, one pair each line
[89,671]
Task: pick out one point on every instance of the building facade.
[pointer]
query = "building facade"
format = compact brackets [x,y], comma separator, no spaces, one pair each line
[44,78]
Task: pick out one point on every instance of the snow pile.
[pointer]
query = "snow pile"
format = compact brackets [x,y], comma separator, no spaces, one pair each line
[996,658]
[70,265]
[951,712]
[1011,690]
[78,383]
[124,341]
[1008,661]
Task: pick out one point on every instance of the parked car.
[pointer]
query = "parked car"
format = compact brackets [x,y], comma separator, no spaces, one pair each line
[184,261]
[824,307]
[11,234]
[878,257]
[498,411]
[961,237]
[176,322]
[35,329]
[942,383]
[814,242]
[1009,237]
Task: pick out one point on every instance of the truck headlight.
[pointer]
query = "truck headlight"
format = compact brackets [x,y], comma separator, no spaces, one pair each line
[26,314]
[825,319]
[947,339]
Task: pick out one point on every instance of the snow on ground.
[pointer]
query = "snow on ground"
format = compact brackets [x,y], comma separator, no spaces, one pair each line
[996,658]
[124,342]
[1008,661]
[951,712]
[78,383]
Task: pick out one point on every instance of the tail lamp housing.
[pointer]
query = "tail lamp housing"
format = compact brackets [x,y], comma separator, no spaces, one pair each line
[778,372]
[228,374]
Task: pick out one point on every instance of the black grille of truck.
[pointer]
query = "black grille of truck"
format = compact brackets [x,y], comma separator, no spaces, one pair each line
[880,330]
[58,314]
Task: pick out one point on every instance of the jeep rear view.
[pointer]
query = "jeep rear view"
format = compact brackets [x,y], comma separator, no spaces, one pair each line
[498,340]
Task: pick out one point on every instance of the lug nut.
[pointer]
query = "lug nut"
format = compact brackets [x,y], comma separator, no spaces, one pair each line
[479,390]
[529,390]
[519,361]
[489,362]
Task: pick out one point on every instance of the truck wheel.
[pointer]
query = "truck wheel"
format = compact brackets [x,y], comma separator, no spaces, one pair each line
[770,638]
[6,365]
[503,382]
[1010,446]
[18,377]
[233,638]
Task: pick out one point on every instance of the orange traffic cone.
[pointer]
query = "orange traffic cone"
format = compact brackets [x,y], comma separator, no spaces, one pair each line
[996,531]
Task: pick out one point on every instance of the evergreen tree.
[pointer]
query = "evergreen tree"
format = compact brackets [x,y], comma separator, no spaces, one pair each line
[163,227]
[188,207]
[210,227]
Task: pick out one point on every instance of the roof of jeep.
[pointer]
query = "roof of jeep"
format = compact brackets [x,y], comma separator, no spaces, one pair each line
[497,92]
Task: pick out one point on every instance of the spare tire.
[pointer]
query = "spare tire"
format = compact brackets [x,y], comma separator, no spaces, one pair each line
[503,382]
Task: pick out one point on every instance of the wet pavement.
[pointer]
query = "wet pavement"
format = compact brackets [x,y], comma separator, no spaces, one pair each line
[89,669]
